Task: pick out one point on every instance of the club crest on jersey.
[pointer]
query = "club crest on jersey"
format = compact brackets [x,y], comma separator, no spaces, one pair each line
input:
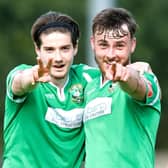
[76,92]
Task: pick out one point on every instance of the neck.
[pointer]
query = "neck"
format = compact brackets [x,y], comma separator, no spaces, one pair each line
[104,79]
[59,82]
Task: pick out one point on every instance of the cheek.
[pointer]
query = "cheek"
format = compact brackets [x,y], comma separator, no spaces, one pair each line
[124,54]
[124,57]
[100,61]
[45,58]
[98,57]
[69,59]
[99,53]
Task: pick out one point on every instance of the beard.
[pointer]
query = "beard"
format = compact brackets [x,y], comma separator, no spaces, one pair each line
[125,63]
[101,63]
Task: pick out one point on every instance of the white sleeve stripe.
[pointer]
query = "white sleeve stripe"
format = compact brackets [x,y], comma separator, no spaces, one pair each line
[87,77]
[158,92]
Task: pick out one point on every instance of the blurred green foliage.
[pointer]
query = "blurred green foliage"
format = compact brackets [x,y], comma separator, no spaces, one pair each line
[16,46]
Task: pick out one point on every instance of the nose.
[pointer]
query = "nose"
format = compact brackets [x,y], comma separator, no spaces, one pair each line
[57,56]
[111,54]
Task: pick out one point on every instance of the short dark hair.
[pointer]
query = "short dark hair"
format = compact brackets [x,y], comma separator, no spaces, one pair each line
[55,21]
[112,18]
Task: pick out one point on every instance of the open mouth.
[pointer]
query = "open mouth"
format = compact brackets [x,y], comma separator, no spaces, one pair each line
[58,66]
[110,62]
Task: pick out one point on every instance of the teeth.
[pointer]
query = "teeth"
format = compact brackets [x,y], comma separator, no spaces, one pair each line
[110,63]
[59,66]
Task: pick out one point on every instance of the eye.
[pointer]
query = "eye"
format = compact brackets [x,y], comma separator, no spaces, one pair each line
[66,48]
[49,49]
[103,45]
[120,45]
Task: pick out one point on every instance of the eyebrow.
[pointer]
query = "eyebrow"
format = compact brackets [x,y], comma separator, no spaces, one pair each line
[102,40]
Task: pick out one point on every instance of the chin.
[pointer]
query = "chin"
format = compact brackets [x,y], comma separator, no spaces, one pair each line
[58,75]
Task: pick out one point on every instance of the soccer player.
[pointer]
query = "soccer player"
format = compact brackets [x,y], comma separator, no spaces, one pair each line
[123,107]
[44,103]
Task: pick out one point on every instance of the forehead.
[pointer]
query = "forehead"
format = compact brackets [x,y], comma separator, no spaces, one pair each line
[56,36]
[114,32]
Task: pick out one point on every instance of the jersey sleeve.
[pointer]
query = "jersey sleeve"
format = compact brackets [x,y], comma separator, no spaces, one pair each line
[9,80]
[153,91]
[86,72]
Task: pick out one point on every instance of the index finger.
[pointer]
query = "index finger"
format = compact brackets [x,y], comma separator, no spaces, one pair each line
[49,63]
[113,68]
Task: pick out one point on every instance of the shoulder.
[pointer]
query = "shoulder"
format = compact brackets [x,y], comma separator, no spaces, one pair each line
[94,83]
[85,72]
[84,68]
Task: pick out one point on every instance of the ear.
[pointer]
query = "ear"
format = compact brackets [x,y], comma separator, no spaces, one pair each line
[37,49]
[133,45]
[92,41]
[76,49]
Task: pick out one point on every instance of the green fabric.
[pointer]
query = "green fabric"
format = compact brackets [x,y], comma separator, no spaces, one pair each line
[120,132]
[44,129]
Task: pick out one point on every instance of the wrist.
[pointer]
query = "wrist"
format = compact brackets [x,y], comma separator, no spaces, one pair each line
[131,85]
[136,85]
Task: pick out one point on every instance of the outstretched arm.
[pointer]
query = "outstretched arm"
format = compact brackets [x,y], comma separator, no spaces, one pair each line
[26,80]
[141,67]
[129,79]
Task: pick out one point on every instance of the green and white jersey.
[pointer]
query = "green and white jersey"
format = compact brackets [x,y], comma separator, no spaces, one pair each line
[43,129]
[120,131]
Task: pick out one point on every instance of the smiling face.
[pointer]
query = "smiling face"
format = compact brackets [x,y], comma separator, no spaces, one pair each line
[58,47]
[112,45]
